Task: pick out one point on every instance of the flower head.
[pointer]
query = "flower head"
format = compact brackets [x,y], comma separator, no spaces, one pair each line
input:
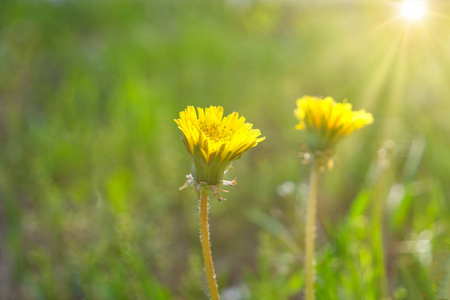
[213,141]
[326,121]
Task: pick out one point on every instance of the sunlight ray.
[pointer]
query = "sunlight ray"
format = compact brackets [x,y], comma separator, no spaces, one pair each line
[373,88]
[392,106]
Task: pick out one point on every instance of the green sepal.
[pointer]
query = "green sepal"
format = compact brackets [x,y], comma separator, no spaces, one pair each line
[212,172]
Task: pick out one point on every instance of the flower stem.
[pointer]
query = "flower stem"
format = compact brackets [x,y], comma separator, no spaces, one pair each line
[377,235]
[310,232]
[206,247]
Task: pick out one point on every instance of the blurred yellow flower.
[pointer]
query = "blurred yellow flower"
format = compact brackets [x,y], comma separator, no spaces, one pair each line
[213,141]
[326,121]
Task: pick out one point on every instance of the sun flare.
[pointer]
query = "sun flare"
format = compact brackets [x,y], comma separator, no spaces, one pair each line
[413,10]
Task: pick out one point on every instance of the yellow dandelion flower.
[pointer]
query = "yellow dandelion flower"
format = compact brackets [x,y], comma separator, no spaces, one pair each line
[326,121]
[213,141]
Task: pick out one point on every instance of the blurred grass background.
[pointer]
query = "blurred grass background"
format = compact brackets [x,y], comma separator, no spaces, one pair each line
[91,160]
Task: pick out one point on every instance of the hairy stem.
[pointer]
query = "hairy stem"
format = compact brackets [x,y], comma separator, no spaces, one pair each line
[310,232]
[206,247]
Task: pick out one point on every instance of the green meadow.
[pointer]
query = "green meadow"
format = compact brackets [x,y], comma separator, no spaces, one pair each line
[91,159]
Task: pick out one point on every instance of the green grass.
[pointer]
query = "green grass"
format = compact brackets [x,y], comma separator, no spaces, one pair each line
[91,160]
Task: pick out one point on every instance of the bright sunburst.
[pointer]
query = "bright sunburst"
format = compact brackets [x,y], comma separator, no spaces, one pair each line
[413,10]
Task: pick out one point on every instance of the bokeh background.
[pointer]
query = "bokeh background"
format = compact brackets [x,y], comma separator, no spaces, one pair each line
[91,159]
